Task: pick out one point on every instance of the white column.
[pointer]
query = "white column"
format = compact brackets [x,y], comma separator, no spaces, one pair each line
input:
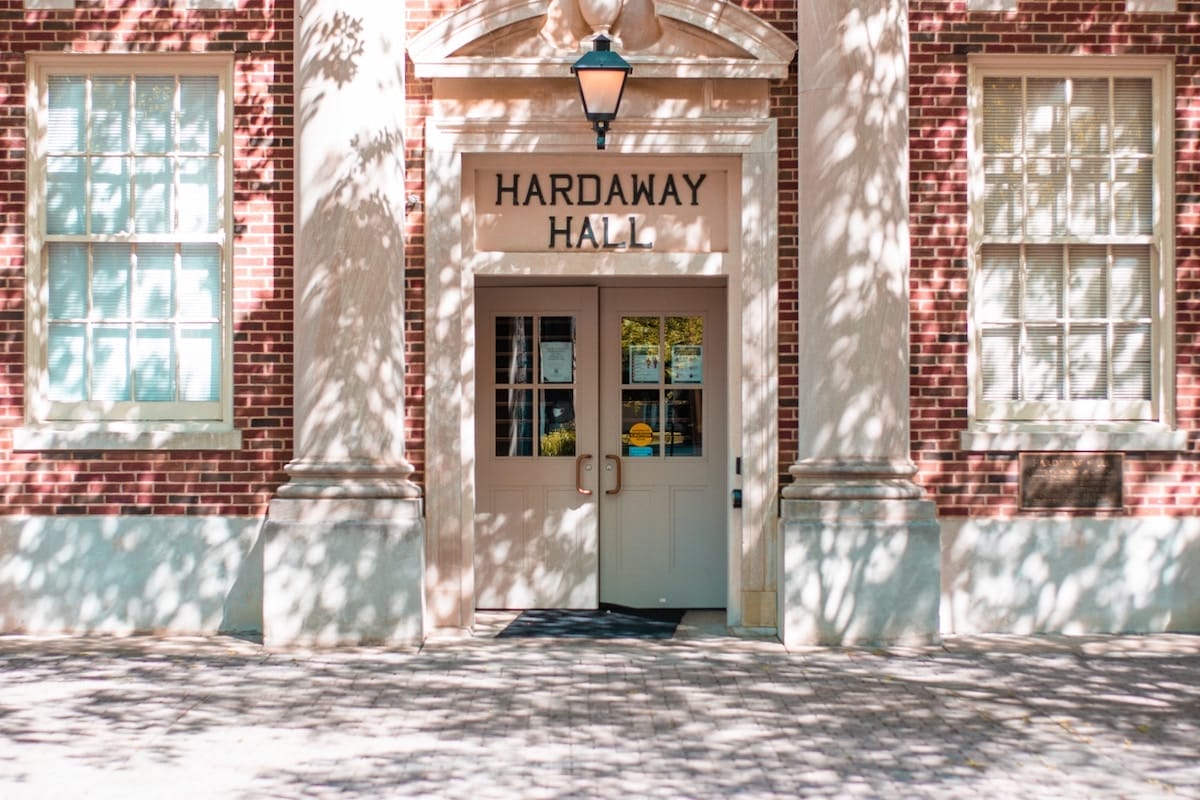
[343,555]
[860,554]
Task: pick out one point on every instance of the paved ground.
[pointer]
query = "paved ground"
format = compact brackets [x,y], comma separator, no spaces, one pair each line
[697,717]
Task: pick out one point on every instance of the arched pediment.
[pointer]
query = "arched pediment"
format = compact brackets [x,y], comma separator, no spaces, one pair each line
[660,38]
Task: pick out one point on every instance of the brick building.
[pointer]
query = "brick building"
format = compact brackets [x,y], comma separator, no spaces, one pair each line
[329,321]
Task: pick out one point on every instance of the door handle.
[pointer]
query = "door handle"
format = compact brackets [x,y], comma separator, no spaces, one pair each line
[579,474]
[616,489]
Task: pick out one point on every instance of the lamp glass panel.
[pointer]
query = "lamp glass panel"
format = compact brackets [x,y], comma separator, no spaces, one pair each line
[601,90]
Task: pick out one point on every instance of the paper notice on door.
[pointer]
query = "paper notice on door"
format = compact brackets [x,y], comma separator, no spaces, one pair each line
[687,363]
[557,362]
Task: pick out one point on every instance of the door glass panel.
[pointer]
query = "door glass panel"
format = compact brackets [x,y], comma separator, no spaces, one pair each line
[683,434]
[640,423]
[517,385]
[557,416]
[685,339]
[640,361]
[514,422]
[660,419]
[557,345]
[514,349]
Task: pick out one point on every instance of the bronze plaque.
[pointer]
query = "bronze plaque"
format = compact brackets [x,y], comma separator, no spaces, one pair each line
[1072,481]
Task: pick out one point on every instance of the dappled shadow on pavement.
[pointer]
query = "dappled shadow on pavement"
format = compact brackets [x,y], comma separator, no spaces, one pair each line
[534,718]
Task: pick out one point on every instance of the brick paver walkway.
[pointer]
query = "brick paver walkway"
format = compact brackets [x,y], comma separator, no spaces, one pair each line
[705,717]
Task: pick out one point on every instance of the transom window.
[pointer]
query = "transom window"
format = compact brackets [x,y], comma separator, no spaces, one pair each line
[130,253]
[1070,240]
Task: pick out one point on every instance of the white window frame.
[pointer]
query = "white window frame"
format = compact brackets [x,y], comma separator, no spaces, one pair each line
[1028,425]
[177,425]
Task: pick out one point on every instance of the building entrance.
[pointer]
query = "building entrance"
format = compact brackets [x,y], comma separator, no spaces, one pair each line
[602,472]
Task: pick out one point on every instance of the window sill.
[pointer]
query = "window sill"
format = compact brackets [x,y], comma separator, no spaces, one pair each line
[1075,437]
[126,437]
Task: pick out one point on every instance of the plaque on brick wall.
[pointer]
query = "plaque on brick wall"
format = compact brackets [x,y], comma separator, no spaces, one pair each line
[1072,481]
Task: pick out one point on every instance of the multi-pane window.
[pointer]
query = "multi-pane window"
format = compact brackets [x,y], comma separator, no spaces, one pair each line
[132,258]
[1067,247]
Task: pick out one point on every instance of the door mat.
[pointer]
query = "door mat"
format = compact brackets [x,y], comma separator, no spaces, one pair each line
[606,622]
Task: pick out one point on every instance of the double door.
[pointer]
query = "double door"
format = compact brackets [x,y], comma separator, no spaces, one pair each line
[601,466]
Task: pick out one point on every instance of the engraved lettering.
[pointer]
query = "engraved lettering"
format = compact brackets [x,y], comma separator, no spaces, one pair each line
[564,232]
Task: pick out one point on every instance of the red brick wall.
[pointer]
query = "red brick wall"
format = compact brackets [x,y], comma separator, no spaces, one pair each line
[259,33]
[942,36]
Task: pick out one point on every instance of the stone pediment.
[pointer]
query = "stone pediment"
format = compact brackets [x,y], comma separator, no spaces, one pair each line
[660,38]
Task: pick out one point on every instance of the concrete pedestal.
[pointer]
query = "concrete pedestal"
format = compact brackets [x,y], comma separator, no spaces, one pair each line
[859,572]
[861,555]
[343,572]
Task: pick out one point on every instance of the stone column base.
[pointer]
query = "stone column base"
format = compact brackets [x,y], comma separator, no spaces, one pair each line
[856,571]
[343,571]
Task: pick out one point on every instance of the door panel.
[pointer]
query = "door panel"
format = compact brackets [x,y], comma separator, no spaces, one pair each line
[663,535]
[600,441]
[536,393]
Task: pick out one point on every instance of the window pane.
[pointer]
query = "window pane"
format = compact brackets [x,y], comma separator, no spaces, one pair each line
[1133,197]
[1089,116]
[640,362]
[200,363]
[200,282]
[68,281]
[198,98]
[1088,354]
[154,114]
[1090,201]
[514,422]
[153,184]
[1131,282]
[1045,115]
[1133,107]
[557,422]
[1044,282]
[110,114]
[65,182]
[999,289]
[198,206]
[1047,186]
[685,349]
[1003,196]
[1000,347]
[1132,368]
[110,195]
[153,360]
[110,281]
[65,113]
[514,350]
[1002,115]
[684,434]
[154,281]
[110,363]
[1088,298]
[640,420]
[557,350]
[66,351]
[1042,365]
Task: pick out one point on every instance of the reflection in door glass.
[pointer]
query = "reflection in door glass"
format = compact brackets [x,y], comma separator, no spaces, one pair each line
[514,422]
[640,423]
[661,419]
[682,433]
[557,429]
[557,345]
[514,349]
[640,360]
[685,349]
[517,418]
